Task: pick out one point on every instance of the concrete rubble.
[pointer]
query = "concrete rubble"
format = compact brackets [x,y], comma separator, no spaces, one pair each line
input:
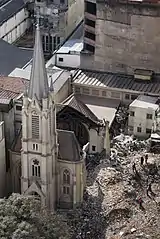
[111,208]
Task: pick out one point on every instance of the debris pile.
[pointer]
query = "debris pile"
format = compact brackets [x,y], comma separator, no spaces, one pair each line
[121,200]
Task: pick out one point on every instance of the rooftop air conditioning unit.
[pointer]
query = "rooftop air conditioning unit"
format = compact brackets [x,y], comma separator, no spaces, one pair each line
[142,74]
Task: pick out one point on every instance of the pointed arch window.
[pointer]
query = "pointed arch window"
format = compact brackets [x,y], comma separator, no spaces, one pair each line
[66,177]
[36,170]
[35,126]
[66,182]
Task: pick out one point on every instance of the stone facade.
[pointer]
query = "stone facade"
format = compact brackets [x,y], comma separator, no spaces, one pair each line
[126,38]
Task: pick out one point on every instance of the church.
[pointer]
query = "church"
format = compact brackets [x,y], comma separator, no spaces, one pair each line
[52,162]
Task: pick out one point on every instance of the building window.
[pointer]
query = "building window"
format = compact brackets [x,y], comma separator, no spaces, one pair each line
[139,129]
[86,91]
[115,95]
[66,190]
[133,97]
[36,171]
[35,127]
[90,35]
[66,177]
[148,131]
[149,116]
[132,113]
[35,147]
[93,148]
[131,128]
[90,22]
[95,92]
[18,107]
[77,90]
[104,93]
[60,59]
[66,182]
[127,97]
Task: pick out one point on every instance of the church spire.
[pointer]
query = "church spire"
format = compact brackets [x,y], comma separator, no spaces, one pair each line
[38,80]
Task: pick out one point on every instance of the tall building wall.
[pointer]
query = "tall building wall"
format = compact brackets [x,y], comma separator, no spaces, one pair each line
[74,15]
[126,37]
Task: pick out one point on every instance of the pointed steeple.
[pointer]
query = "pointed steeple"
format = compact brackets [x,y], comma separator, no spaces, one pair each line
[38,80]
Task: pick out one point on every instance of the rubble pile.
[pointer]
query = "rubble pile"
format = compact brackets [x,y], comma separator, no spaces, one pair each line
[116,204]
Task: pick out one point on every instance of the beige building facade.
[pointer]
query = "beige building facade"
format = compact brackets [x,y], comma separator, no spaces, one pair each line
[119,36]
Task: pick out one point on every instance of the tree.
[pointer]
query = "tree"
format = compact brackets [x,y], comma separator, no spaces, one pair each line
[21,217]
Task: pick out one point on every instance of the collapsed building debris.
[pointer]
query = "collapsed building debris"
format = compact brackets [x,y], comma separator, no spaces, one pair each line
[116,203]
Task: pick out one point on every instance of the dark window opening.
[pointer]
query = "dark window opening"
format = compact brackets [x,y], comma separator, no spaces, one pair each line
[18,107]
[148,131]
[149,116]
[127,97]
[90,8]
[90,23]
[93,148]
[133,97]
[60,59]
[132,113]
[90,35]
[88,47]
[139,129]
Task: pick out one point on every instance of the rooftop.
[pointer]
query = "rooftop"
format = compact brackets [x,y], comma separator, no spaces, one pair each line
[138,103]
[119,81]
[59,76]
[12,57]
[9,8]
[11,87]
[74,42]
[95,108]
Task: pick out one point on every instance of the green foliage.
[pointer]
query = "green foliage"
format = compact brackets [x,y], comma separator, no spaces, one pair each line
[21,217]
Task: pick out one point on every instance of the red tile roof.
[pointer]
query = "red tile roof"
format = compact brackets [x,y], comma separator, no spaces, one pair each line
[11,87]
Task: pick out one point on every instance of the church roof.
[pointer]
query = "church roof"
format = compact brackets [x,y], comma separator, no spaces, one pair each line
[38,81]
[69,148]
[75,102]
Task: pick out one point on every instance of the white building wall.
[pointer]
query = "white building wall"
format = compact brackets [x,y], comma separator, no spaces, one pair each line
[125,96]
[140,120]
[2,162]
[96,141]
[14,27]
[68,60]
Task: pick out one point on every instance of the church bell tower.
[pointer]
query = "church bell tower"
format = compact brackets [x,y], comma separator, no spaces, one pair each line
[39,144]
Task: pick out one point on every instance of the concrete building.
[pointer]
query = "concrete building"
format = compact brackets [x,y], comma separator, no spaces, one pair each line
[125,88]
[68,55]
[75,15]
[53,17]
[14,20]
[141,116]
[121,36]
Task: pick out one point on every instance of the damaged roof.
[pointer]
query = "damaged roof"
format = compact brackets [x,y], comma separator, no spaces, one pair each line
[75,102]
[68,146]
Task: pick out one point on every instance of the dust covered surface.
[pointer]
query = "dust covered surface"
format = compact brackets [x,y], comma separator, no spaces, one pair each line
[110,209]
